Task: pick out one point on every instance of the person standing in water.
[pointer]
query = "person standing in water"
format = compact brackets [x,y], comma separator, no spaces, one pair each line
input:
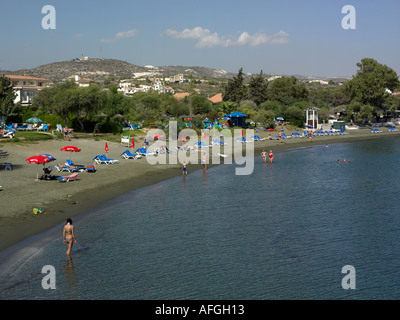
[68,235]
[271,156]
[184,169]
[264,156]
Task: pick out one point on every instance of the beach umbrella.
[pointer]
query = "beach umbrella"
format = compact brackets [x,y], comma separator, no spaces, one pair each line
[158,136]
[40,159]
[280,118]
[106,148]
[70,149]
[133,143]
[48,156]
[34,120]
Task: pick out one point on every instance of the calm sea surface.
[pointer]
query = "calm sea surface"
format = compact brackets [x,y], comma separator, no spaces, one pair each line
[284,232]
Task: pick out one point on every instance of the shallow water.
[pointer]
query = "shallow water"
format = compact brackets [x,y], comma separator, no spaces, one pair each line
[284,232]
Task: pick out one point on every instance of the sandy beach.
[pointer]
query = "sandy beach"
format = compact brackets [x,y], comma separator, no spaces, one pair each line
[21,191]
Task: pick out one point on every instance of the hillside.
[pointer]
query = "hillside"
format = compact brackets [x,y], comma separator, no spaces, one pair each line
[101,69]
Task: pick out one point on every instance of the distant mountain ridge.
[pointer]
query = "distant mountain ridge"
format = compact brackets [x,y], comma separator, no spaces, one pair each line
[100,69]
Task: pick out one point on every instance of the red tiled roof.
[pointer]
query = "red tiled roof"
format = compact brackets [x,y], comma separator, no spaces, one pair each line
[181,95]
[85,80]
[216,98]
[395,93]
[24,77]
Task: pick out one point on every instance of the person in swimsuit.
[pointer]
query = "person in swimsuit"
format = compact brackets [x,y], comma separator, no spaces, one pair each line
[184,172]
[204,161]
[68,235]
[264,156]
[271,156]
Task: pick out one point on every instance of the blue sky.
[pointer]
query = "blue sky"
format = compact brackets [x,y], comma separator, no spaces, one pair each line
[279,37]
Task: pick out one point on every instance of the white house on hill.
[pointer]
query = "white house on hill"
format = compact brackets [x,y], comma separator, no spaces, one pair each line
[26,87]
[83,82]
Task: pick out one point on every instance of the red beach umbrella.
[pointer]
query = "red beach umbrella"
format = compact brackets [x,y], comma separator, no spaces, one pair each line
[106,148]
[158,136]
[71,149]
[38,160]
[133,143]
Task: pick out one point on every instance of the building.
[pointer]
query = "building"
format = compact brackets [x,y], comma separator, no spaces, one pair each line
[83,82]
[26,87]
[178,78]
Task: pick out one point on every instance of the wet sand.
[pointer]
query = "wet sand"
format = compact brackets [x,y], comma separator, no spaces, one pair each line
[21,192]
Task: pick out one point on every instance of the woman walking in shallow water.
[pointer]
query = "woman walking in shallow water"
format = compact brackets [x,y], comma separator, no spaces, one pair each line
[270,156]
[68,235]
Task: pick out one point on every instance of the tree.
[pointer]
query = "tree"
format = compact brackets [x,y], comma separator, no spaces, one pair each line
[257,90]
[287,90]
[235,89]
[7,97]
[200,103]
[88,100]
[369,85]
[60,99]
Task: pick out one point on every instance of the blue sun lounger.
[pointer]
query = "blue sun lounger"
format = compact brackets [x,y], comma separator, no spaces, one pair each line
[144,152]
[102,159]
[127,154]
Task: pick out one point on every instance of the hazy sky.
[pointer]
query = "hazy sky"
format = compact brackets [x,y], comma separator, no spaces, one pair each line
[279,37]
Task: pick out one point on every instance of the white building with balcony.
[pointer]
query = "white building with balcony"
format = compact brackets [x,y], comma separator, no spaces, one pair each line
[26,87]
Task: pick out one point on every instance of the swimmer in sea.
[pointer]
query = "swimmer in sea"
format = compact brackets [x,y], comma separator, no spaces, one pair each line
[68,235]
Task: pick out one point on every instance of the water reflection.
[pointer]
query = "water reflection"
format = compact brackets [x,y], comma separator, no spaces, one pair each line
[70,278]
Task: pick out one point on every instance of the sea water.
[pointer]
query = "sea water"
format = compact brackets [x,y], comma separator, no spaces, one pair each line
[283,232]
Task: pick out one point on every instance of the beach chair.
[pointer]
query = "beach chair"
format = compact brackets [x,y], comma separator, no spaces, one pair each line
[128,155]
[100,160]
[200,145]
[71,177]
[110,161]
[217,142]
[242,140]
[256,138]
[8,166]
[43,127]
[23,127]
[90,168]
[144,152]
[70,163]
[9,134]
[67,168]
[59,128]
[162,149]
